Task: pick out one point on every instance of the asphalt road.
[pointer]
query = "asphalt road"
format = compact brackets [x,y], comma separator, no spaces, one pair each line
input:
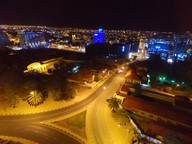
[98,124]
[29,127]
[37,133]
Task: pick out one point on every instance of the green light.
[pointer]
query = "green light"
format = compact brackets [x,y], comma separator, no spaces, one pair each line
[162,78]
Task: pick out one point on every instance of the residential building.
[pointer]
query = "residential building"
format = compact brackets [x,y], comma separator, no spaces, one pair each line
[163,119]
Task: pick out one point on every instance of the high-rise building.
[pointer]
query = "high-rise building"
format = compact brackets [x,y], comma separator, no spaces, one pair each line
[99,36]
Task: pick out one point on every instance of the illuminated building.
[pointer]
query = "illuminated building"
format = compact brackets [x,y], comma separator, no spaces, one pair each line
[161,44]
[4,40]
[181,43]
[170,47]
[43,66]
[141,50]
[181,46]
[99,36]
[32,39]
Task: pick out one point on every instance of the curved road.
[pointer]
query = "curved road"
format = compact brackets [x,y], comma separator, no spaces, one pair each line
[97,114]
[29,127]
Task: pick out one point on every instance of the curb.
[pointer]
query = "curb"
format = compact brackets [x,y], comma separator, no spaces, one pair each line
[16,139]
[66,131]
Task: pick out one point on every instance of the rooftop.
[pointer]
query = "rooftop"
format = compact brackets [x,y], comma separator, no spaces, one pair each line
[183,120]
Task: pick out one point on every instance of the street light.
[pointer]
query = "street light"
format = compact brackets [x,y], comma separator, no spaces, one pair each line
[177,85]
[32,92]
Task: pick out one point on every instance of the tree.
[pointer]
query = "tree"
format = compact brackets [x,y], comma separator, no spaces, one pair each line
[98,77]
[55,94]
[113,104]
[27,87]
[9,96]
[12,101]
[9,101]
[68,91]
[35,98]
[62,93]
[122,116]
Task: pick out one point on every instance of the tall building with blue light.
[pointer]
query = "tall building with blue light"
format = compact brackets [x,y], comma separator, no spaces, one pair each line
[99,36]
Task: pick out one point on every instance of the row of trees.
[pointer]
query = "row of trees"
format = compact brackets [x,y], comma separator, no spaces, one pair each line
[35,89]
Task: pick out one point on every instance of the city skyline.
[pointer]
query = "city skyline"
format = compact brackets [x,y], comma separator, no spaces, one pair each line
[167,15]
[91,85]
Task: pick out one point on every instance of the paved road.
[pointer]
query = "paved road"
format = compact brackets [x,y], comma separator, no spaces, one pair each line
[29,127]
[99,129]
[37,133]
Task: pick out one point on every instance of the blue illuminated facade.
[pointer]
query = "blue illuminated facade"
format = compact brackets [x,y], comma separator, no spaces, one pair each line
[99,36]
[4,39]
[175,44]
[32,39]
[170,47]
[161,44]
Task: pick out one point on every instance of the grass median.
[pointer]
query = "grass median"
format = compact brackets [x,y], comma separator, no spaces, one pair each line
[75,123]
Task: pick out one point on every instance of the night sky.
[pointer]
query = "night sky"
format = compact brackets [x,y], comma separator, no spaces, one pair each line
[155,15]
